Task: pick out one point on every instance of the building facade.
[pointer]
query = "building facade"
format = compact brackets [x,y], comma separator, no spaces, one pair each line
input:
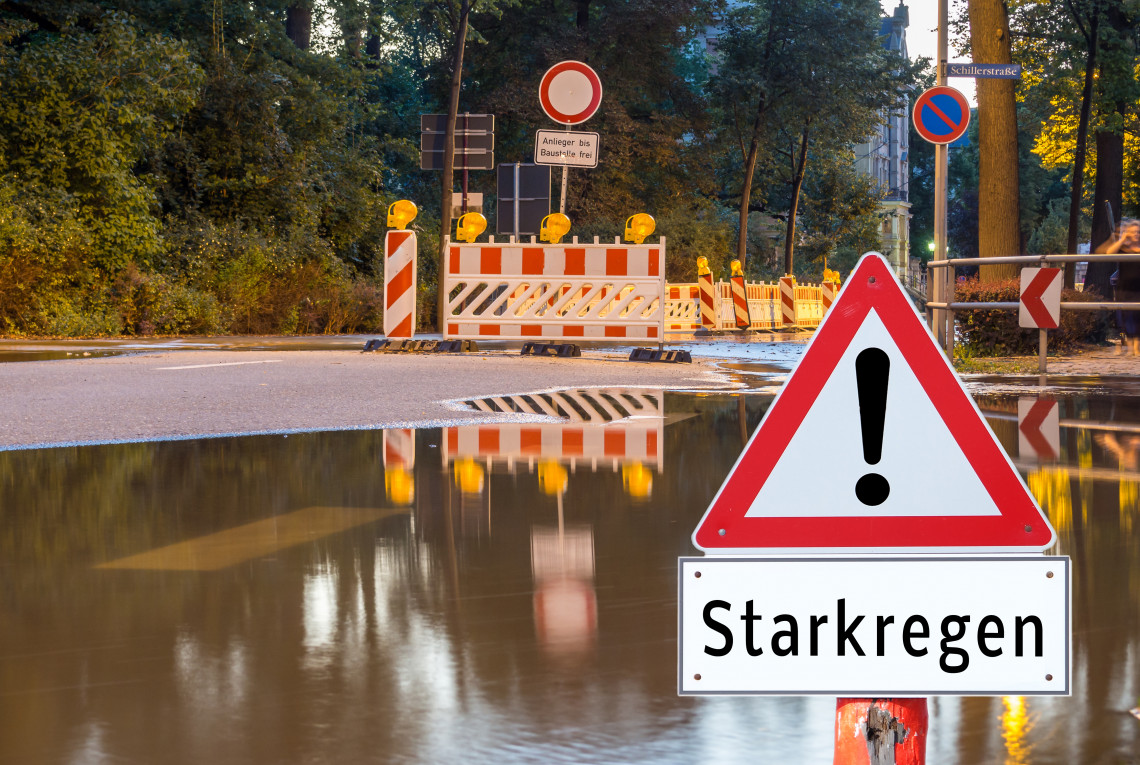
[884,156]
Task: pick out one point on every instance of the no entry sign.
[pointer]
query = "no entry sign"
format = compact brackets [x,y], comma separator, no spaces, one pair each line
[941,114]
[570,92]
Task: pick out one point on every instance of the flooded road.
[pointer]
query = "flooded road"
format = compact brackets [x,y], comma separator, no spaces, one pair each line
[480,593]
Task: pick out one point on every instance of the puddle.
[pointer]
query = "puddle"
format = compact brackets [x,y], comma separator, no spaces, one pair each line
[483,593]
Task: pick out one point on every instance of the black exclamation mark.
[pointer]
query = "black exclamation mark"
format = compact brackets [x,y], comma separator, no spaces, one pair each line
[872,373]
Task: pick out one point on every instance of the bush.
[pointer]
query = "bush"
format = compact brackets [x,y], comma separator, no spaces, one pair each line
[996,332]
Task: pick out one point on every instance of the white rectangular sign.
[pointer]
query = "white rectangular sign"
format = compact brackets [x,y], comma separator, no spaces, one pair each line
[559,147]
[873,627]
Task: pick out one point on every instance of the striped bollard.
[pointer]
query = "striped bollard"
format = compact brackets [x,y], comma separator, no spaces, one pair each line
[400,284]
[739,297]
[708,297]
[788,300]
[827,292]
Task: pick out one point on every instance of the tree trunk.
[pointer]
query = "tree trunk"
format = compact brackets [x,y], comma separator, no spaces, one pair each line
[998,205]
[447,182]
[1076,191]
[746,188]
[299,24]
[583,19]
[793,209]
[1109,192]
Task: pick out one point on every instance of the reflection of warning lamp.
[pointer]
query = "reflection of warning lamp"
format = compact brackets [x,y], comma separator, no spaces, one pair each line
[737,270]
[639,226]
[469,476]
[401,213]
[554,227]
[637,480]
[470,226]
[552,478]
[703,266]
[400,486]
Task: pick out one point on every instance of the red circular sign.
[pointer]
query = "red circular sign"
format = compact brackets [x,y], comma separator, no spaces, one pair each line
[570,92]
[941,114]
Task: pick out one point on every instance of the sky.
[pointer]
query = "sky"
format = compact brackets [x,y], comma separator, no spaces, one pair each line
[922,37]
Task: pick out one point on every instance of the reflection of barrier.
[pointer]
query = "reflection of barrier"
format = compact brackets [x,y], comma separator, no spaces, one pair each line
[576,291]
[565,604]
[608,426]
[399,460]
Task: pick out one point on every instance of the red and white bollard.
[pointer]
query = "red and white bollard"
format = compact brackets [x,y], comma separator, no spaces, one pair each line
[708,297]
[400,284]
[739,297]
[880,731]
[788,300]
[827,292]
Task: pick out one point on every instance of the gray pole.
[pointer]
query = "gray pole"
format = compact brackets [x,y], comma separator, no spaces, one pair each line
[943,279]
[516,202]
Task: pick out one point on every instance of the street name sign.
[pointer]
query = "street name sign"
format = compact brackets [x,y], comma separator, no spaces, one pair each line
[570,92]
[1040,305]
[875,627]
[872,446]
[557,147]
[985,71]
[941,114]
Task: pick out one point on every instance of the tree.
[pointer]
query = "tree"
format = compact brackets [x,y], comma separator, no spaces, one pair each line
[998,196]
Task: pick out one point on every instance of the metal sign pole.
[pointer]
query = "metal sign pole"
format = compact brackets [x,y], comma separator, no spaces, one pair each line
[565,171]
[517,194]
[942,289]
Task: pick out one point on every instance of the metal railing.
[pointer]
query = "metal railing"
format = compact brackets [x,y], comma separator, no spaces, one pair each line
[940,285]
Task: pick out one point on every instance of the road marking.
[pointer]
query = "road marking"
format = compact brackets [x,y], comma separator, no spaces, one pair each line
[223,549]
[226,364]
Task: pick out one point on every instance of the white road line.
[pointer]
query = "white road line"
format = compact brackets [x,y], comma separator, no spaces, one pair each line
[226,364]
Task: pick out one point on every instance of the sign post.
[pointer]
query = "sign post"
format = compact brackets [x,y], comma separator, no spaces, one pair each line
[570,93]
[874,581]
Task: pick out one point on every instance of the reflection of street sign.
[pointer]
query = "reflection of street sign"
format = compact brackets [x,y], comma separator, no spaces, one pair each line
[941,114]
[1040,306]
[985,71]
[523,198]
[474,141]
[556,147]
[570,92]
[874,627]
[846,457]
[1038,429]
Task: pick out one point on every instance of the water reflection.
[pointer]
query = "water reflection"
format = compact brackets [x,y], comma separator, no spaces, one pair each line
[487,594]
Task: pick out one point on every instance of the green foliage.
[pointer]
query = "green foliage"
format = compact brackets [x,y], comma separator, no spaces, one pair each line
[996,332]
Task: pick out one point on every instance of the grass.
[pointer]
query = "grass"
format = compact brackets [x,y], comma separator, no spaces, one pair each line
[1005,365]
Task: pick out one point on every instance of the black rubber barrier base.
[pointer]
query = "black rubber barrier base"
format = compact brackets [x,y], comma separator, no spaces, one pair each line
[673,357]
[565,350]
[420,346]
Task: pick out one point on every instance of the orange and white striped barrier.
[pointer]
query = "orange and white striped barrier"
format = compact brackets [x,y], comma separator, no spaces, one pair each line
[788,301]
[809,306]
[709,319]
[400,284]
[739,297]
[565,292]
[827,293]
[764,305]
[682,308]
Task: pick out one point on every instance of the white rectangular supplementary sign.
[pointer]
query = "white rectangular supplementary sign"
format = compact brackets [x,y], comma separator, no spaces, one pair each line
[873,627]
[559,147]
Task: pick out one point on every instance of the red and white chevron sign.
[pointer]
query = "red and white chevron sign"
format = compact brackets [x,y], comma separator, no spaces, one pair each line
[400,284]
[1040,298]
[1038,429]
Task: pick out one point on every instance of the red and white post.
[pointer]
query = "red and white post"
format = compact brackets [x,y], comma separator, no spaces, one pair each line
[400,285]
[880,731]
[739,297]
[708,295]
[788,300]
[827,293]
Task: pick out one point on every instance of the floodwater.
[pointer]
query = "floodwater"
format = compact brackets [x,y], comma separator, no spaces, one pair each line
[480,594]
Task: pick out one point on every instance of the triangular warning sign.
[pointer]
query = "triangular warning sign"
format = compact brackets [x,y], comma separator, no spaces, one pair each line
[873,445]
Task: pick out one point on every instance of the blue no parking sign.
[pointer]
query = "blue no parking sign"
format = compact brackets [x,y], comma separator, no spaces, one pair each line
[941,114]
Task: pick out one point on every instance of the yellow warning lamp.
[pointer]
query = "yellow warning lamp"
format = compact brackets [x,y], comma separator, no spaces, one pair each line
[637,480]
[401,213]
[639,226]
[400,486]
[703,266]
[469,476]
[554,227]
[470,226]
[831,276]
[552,478]
[737,269]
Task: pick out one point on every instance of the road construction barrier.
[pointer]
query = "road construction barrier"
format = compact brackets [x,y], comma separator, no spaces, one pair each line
[739,297]
[808,306]
[710,315]
[682,308]
[608,426]
[400,284]
[827,293]
[765,308]
[788,301]
[577,291]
